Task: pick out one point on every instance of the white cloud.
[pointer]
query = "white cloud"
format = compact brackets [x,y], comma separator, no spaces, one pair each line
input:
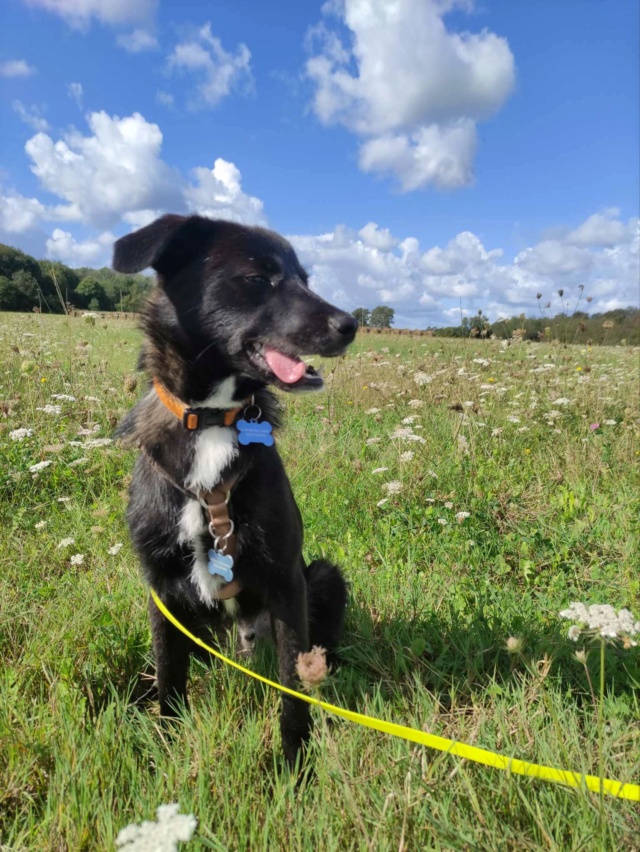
[16,68]
[31,115]
[138,41]
[164,98]
[116,170]
[376,237]
[19,214]
[80,13]
[91,252]
[218,193]
[219,71]
[409,87]
[601,229]
[76,93]
[425,287]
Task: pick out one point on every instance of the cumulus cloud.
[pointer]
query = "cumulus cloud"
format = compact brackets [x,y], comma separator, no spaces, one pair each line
[426,286]
[219,72]
[19,214]
[16,68]
[80,13]
[394,75]
[31,115]
[120,163]
[90,252]
[137,41]
[218,193]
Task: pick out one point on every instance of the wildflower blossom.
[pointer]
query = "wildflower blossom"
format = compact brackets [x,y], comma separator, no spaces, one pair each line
[372,411]
[39,466]
[40,525]
[407,456]
[448,505]
[381,503]
[98,442]
[461,516]
[20,434]
[380,470]
[66,542]
[406,434]
[408,421]
[312,667]
[610,422]
[443,522]
[171,828]
[63,397]
[421,378]
[416,403]
[371,441]
[77,559]
[514,644]
[78,462]
[50,409]
[602,620]
[393,487]
[562,401]
[113,551]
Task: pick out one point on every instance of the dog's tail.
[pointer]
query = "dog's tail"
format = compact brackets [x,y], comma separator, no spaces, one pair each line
[327,602]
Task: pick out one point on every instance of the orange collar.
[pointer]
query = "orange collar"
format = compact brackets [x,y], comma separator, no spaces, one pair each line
[194,419]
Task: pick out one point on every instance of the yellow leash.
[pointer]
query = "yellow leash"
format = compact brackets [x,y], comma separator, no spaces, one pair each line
[469,752]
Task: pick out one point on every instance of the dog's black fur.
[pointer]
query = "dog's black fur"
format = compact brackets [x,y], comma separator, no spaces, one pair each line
[225,291]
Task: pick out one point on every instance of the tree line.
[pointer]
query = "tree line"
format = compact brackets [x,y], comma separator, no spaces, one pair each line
[51,287]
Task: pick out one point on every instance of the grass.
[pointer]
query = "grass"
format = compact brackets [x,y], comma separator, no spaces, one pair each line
[553,517]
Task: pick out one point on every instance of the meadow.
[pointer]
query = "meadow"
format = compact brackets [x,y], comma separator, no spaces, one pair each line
[470,489]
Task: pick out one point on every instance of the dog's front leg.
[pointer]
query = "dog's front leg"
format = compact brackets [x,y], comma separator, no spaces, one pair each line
[171,650]
[291,632]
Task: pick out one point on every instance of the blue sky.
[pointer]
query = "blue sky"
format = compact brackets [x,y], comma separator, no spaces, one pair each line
[426,154]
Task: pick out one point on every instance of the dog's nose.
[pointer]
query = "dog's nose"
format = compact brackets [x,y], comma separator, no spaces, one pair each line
[344,324]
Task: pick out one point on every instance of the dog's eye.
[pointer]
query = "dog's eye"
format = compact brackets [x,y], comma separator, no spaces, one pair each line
[260,280]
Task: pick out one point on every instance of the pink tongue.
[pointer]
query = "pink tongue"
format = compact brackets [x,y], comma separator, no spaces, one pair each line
[287,369]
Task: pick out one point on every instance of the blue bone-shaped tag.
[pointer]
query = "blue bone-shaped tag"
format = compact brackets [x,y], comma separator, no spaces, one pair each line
[220,564]
[252,432]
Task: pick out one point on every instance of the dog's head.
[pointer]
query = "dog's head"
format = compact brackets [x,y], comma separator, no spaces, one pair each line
[239,294]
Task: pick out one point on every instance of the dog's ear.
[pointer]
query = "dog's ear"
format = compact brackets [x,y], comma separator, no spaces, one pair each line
[147,246]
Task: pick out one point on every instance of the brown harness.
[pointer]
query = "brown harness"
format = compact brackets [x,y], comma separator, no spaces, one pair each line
[214,501]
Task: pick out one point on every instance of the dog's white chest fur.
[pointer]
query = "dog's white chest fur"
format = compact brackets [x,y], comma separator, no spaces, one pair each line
[216,447]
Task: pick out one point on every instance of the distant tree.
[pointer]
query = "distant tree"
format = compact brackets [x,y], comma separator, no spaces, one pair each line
[363,315]
[9,294]
[28,294]
[88,292]
[382,317]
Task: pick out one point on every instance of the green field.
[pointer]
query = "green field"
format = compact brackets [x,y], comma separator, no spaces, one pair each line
[506,434]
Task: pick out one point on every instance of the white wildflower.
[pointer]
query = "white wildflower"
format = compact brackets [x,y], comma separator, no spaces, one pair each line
[610,422]
[63,397]
[513,419]
[406,434]
[461,516]
[448,505]
[602,620]
[409,420]
[97,442]
[483,361]
[562,400]
[164,835]
[113,551]
[39,466]
[393,487]
[468,403]
[371,441]
[432,474]
[66,542]
[463,444]
[380,470]
[381,503]
[496,432]
[40,525]
[20,434]
[415,403]
[77,559]
[50,409]
[443,522]
[64,499]
[421,378]
[92,399]
[407,456]
[77,462]
[372,411]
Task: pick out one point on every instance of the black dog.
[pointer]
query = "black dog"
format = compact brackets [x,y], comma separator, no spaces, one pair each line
[232,313]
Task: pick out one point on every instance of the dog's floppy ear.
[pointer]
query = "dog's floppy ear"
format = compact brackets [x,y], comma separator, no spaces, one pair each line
[145,247]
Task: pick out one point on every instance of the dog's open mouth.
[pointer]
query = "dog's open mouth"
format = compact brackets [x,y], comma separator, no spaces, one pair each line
[288,372]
